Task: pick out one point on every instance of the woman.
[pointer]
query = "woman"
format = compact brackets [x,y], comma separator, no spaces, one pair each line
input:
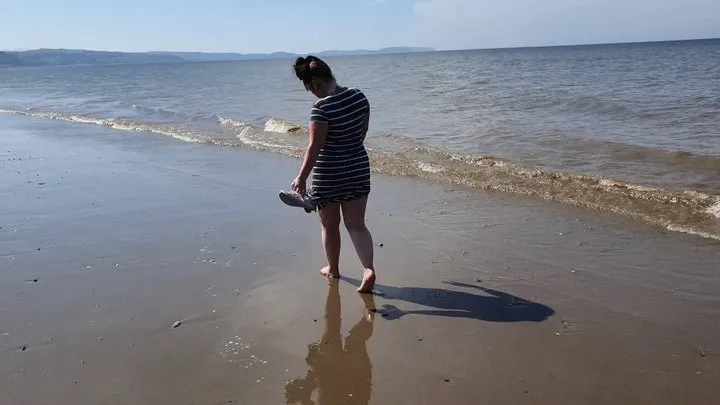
[341,168]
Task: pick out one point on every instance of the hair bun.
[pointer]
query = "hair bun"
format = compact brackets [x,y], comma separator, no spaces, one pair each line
[309,67]
[301,66]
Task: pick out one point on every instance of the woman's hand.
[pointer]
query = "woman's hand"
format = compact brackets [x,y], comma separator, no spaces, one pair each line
[299,186]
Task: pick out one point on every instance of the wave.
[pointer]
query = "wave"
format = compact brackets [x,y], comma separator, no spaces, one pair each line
[635,153]
[122,124]
[688,211]
[280,126]
[231,123]
[155,111]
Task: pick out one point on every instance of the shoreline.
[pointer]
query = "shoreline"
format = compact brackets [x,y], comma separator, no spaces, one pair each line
[684,210]
[480,294]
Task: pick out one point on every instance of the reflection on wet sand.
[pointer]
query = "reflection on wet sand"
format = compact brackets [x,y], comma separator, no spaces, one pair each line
[341,374]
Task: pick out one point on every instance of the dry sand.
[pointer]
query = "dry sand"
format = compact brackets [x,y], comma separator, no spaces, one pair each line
[108,240]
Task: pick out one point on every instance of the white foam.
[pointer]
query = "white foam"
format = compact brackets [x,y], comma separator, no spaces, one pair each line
[231,123]
[245,136]
[280,126]
[119,124]
[690,231]
[714,209]
[430,168]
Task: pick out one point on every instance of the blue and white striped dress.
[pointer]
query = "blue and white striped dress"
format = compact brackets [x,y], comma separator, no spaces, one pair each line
[342,169]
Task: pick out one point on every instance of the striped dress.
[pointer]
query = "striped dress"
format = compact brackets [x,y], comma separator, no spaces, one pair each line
[342,169]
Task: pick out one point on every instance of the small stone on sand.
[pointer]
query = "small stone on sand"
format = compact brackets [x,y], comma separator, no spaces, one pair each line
[176,324]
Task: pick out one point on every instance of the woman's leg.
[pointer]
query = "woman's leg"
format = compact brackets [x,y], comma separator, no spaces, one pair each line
[330,222]
[354,217]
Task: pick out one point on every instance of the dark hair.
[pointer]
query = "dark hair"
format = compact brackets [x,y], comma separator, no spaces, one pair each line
[311,67]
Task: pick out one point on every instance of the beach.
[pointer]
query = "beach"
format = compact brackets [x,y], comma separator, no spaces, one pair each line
[138,269]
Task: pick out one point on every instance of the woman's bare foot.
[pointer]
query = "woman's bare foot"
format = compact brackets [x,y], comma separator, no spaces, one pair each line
[327,272]
[368,282]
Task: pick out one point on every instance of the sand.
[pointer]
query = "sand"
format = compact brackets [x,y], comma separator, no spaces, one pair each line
[109,239]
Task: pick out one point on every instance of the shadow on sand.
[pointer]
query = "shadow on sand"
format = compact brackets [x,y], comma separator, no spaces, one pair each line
[491,306]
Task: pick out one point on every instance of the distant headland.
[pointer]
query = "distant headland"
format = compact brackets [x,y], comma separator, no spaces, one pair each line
[65,57]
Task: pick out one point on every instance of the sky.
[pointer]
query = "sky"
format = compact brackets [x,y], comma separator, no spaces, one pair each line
[314,25]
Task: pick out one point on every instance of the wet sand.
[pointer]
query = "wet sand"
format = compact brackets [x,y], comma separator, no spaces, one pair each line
[109,239]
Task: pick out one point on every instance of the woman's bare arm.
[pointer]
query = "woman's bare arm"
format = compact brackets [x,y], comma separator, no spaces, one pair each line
[318,133]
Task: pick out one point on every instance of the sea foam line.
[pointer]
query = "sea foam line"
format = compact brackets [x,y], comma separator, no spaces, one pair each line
[663,208]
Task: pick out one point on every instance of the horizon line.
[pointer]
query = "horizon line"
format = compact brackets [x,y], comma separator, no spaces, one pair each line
[430,49]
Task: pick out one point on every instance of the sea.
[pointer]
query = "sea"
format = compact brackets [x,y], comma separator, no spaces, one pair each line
[632,129]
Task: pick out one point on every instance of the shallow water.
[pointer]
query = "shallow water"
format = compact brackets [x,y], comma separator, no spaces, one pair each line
[630,129]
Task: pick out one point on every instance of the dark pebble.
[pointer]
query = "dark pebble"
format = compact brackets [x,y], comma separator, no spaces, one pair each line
[314,320]
[23,348]
[233,247]
[527,392]
[479,281]
[381,244]
[447,380]
[420,339]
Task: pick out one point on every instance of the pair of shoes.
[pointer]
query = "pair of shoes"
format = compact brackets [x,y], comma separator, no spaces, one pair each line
[295,200]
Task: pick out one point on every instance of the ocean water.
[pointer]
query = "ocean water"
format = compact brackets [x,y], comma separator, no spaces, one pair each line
[628,128]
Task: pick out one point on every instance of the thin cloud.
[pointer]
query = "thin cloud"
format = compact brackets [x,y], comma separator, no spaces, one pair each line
[495,23]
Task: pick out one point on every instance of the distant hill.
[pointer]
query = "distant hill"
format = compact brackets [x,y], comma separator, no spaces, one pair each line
[9,59]
[44,57]
[202,56]
[63,57]
[383,51]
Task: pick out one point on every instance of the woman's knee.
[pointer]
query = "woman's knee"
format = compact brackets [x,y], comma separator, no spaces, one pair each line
[353,223]
[330,217]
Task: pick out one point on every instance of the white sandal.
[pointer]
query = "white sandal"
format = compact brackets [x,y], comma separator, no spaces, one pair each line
[295,200]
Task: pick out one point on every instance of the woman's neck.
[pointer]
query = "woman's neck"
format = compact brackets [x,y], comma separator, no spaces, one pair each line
[332,88]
